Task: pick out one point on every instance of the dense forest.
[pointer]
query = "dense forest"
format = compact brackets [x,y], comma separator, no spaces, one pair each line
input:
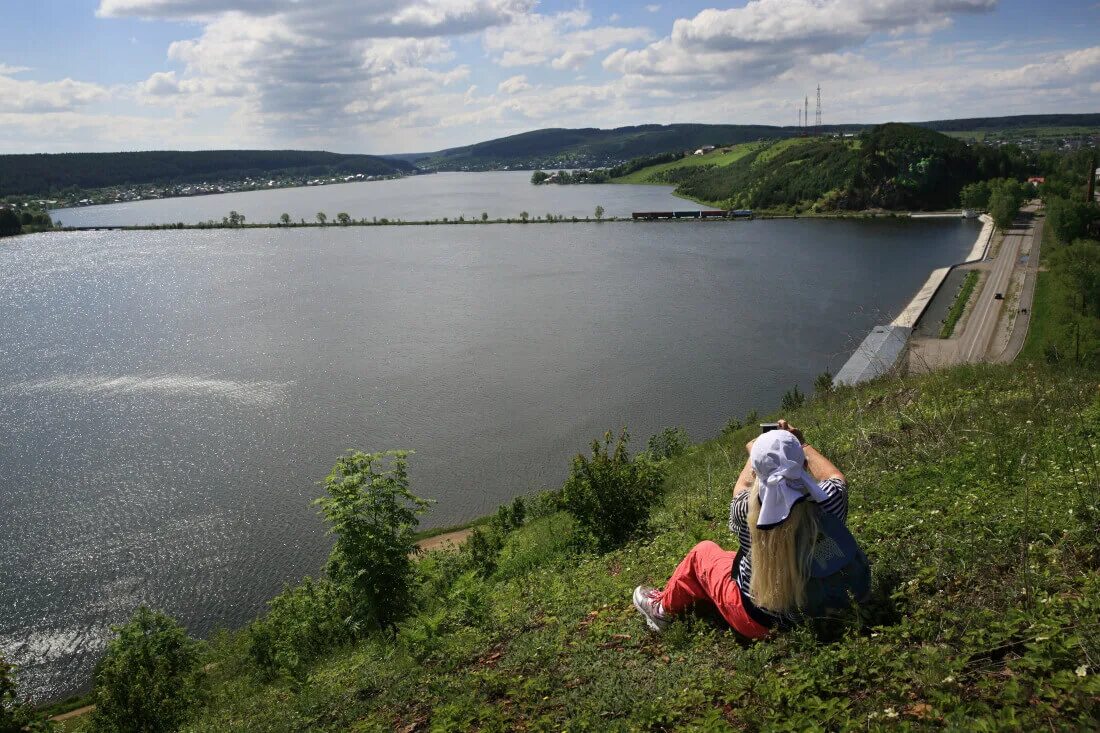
[43,174]
[892,166]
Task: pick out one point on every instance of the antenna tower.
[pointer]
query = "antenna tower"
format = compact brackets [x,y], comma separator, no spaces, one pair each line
[817,120]
[806,114]
[799,118]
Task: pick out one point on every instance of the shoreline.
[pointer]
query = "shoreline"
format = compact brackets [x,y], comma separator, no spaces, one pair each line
[881,350]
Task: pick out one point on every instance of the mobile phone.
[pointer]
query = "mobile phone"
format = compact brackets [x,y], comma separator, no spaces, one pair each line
[766,426]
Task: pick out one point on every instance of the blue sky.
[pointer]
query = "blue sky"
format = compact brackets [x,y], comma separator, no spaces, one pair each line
[414,75]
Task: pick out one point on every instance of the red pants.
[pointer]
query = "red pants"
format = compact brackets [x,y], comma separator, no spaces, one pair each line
[706,574]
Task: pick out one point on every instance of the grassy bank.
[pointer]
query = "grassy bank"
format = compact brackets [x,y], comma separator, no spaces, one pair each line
[973,493]
[957,308]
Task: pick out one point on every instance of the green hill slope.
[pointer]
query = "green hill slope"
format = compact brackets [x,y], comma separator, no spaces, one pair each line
[973,492]
[892,166]
[591,147]
[41,174]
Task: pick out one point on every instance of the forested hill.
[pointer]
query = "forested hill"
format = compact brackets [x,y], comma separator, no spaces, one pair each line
[892,166]
[590,147]
[43,174]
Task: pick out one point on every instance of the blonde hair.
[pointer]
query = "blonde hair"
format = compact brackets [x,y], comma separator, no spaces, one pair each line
[781,556]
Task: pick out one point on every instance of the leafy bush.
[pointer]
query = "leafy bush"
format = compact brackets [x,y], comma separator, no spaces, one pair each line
[793,399]
[611,494]
[1070,219]
[482,548]
[373,515]
[151,677]
[301,623]
[16,716]
[823,383]
[668,443]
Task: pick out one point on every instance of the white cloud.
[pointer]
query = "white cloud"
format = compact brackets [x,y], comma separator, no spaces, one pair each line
[161,84]
[514,84]
[745,46]
[6,70]
[21,96]
[564,40]
[653,8]
[337,19]
[311,72]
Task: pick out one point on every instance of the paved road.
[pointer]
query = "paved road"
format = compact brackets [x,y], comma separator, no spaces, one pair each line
[1027,296]
[982,322]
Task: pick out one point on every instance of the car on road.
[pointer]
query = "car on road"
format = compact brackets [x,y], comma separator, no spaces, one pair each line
[999,296]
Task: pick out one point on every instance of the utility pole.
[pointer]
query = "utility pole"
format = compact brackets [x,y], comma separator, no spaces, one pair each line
[1090,187]
[817,121]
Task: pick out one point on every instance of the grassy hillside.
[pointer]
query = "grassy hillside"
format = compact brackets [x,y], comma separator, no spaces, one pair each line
[589,147]
[973,493]
[41,174]
[667,172]
[891,166]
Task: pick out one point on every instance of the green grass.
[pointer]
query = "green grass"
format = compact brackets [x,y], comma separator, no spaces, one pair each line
[721,156]
[776,148]
[957,308]
[973,493]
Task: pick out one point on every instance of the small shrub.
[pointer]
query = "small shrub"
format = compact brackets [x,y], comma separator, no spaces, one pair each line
[482,547]
[373,515]
[732,426]
[823,384]
[668,443]
[302,623]
[543,504]
[150,678]
[793,399]
[610,494]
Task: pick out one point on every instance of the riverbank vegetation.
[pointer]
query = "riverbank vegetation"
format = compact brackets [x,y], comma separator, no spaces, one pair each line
[973,493]
[957,308]
[27,221]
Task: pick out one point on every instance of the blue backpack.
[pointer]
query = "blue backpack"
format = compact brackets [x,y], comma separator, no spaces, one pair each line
[840,572]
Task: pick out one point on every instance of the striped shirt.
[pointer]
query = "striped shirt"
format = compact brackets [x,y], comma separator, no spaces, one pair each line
[836,504]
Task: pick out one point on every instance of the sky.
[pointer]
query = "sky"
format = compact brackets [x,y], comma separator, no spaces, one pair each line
[403,76]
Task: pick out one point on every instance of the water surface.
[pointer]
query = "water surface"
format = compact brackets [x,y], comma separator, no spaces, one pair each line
[502,194]
[169,400]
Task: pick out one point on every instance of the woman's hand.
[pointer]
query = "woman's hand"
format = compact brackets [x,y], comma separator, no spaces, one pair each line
[784,425]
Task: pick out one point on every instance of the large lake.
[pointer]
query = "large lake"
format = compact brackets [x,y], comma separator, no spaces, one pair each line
[169,400]
[501,195]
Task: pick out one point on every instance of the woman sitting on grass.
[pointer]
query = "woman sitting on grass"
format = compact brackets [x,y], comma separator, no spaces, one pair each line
[763,585]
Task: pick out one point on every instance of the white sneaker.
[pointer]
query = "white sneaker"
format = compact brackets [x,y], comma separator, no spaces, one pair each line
[648,603]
